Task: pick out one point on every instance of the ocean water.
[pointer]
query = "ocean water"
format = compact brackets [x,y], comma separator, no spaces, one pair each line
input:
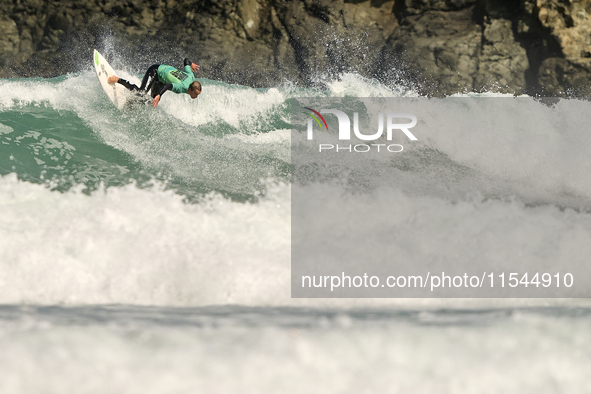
[148,251]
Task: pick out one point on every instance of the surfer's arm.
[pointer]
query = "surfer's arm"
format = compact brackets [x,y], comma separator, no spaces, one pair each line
[192,66]
[164,89]
[175,87]
[156,101]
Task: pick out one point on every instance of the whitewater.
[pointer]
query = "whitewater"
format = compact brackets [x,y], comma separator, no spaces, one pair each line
[149,250]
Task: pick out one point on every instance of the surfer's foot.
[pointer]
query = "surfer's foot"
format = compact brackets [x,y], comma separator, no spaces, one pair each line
[113,79]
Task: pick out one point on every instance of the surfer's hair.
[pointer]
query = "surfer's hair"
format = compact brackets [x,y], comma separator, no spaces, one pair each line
[195,85]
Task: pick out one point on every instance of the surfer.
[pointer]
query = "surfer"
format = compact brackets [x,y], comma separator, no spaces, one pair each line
[160,78]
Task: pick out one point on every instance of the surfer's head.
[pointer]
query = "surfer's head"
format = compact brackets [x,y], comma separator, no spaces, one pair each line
[195,89]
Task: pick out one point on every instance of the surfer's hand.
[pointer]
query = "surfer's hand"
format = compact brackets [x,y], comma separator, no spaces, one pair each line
[113,79]
[156,101]
[194,67]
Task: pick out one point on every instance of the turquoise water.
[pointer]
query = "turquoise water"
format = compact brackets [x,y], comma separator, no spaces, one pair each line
[68,134]
[58,149]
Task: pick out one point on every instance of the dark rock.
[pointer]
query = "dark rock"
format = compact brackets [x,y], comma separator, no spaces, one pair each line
[567,69]
[438,47]
[436,51]
[503,62]
[562,77]
[414,7]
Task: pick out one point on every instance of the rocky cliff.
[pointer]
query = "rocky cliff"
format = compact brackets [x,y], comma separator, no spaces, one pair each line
[437,46]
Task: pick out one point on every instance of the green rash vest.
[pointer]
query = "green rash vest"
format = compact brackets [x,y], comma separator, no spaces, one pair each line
[180,80]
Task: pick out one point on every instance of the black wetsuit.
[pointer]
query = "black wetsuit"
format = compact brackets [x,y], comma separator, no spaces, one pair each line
[151,83]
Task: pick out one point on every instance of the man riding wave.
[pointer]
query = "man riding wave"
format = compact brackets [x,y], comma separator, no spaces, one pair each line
[160,78]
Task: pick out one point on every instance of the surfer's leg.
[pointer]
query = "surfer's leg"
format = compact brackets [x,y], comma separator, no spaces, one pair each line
[128,84]
[149,78]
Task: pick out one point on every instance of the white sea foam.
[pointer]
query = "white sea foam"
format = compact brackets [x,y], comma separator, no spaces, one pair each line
[484,353]
[354,85]
[128,245]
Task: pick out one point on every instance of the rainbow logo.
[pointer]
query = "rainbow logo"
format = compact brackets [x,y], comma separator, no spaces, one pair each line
[316,118]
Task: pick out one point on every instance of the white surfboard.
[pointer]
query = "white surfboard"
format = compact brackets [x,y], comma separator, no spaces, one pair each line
[117,93]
